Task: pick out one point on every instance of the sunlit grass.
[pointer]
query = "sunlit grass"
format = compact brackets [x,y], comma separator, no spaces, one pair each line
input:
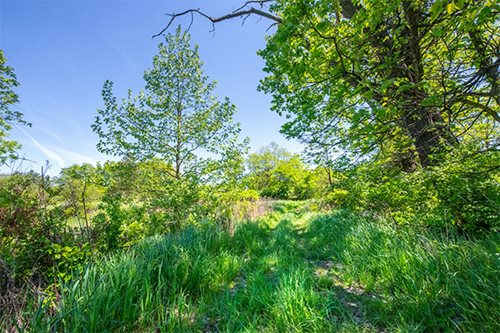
[292,271]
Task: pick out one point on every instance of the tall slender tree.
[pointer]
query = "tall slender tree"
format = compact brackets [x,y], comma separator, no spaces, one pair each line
[174,117]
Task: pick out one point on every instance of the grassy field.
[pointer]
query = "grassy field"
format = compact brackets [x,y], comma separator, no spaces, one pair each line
[291,271]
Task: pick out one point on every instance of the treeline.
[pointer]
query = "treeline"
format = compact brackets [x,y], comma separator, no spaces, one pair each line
[52,225]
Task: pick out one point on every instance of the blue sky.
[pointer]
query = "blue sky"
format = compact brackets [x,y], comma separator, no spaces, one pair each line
[63,51]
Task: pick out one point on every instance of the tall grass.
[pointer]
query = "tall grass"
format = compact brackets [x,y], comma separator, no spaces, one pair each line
[292,271]
[412,278]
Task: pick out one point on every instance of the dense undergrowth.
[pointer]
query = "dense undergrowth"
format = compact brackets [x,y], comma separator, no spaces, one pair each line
[292,270]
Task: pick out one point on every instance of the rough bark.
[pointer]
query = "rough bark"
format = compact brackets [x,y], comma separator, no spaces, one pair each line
[424,124]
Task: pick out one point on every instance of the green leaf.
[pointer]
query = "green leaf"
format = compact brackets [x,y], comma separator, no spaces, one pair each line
[450,8]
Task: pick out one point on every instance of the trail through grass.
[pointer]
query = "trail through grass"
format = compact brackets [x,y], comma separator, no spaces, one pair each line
[292,271]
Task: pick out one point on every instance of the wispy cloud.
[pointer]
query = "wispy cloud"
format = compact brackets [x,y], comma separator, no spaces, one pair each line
[51,155]
[74,157]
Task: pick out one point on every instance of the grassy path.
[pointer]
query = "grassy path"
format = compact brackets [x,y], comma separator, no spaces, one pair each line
[292,271]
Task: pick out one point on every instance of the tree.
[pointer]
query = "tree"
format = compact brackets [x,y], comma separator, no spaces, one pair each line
[400,78]
[364,74]
[176,115]
[262,163]
[175,118]
[8,117]
[80,190]
[274,172]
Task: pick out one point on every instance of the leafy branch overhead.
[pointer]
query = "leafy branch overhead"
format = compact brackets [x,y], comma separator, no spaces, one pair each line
[402,79]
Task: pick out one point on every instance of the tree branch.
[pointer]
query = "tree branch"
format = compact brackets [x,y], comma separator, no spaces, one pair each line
[483,107]
[214,20]
[260,2]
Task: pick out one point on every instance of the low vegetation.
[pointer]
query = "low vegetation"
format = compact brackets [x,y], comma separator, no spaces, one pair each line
[292,270]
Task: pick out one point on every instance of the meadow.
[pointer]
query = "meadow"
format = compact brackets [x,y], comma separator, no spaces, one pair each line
[292,270]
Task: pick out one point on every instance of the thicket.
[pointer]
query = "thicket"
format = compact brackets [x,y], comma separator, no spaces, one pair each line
[462,193]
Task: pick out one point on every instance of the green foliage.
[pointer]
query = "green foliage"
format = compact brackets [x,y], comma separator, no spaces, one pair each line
[67,259]
[79,190]
[176,115]
[405,79]
[336,197]
[177,202]
[462,192]
[276,173]
[8,98]
[108,222]
[127,177]
[291,271]
[175,118]
[35,243]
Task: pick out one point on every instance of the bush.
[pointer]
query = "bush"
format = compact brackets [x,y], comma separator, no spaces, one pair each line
[461,192]
[37,247]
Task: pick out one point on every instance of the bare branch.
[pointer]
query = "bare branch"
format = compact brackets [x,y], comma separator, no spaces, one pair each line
[260,2]
[483,107]
[272,25]
[214,20]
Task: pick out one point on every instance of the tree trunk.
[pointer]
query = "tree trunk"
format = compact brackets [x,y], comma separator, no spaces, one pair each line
[424,124]
[178,144]
[419,121]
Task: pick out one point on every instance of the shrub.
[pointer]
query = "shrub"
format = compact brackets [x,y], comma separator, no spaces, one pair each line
[461,192]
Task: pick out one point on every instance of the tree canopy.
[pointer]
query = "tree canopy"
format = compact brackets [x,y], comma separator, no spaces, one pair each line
[374,76]
[174,117]
[400,79]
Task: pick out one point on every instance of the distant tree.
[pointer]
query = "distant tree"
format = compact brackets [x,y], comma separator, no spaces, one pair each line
[80,190]
[262,163]
[122,178]
[8,117]
[175,116]
[275,172]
